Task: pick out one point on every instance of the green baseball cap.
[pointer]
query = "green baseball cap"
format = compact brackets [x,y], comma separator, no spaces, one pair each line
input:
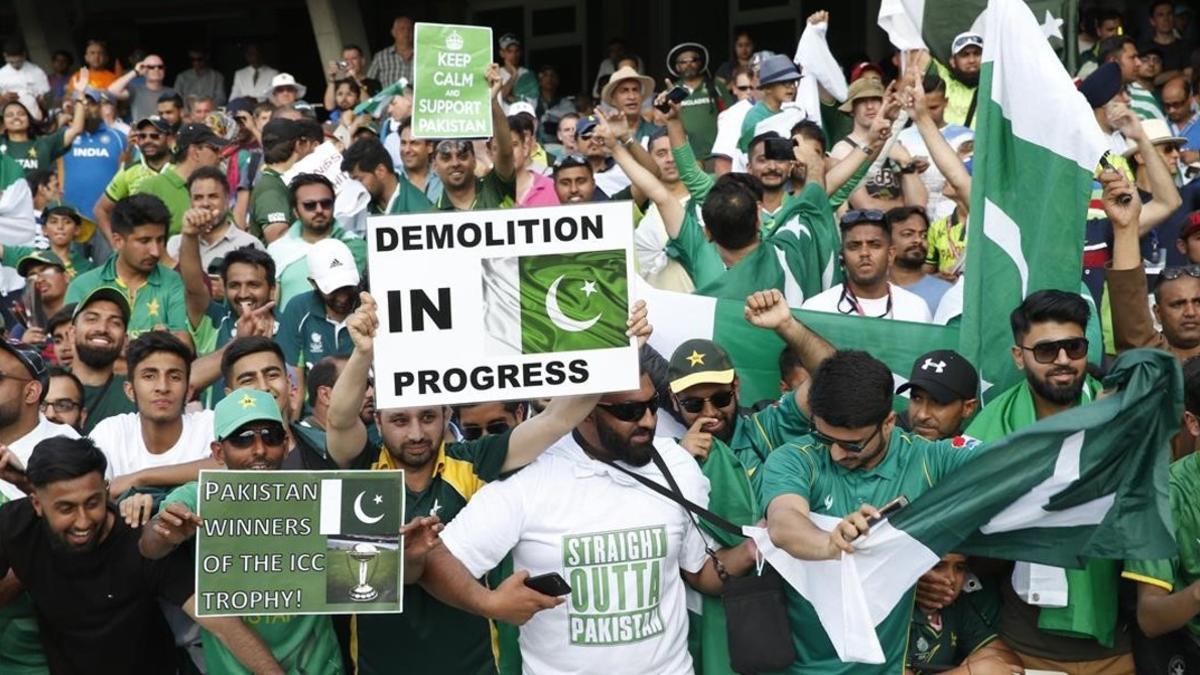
[110,293]
[699,361]
[242,406]
[39,257]
[64,209]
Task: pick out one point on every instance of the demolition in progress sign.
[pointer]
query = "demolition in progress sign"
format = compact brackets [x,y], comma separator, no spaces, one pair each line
[501,305]
[299,542]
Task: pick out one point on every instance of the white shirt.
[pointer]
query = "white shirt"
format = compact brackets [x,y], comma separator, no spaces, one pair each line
[650,248]
[22,448]
[599,529]
[244,83]
[937,204]
[120,439]
[612,180]
[906,305]
[30,79]
[729,132]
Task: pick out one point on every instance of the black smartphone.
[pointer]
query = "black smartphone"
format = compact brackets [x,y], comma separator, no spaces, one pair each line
[676,95]
[888,509]
[778,149]
[550,583]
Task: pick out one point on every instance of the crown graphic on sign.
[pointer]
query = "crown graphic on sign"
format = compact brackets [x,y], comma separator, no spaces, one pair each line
[454,41]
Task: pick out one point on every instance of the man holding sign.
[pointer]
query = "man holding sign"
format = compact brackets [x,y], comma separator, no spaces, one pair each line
[250,436]
[454,160]
[440,477]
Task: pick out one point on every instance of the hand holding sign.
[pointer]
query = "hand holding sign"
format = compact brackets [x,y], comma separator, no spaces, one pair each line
[639,324]
[176,523]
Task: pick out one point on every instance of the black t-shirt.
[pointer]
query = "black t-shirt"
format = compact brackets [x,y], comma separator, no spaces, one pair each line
[97,611]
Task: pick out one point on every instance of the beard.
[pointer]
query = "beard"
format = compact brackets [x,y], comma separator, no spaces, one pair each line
[1064,395]
[910,262]
[971,80]
[623,448]
[10,412]
[96,357]
[91,124]
[58,541]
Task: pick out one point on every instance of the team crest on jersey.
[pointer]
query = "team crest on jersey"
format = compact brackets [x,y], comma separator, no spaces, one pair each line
[315,343]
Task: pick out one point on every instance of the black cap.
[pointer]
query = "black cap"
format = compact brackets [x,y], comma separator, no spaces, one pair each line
[945,374]
[1102,85]
[192,134]
[279,130]
[311,129]
[110,293]
[699,361]
[31,358]
[155,121]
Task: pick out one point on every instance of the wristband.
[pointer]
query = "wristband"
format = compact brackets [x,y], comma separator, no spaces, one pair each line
[627,141]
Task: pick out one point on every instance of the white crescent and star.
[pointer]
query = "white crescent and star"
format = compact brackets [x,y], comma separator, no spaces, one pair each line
[562,321]
[361,515]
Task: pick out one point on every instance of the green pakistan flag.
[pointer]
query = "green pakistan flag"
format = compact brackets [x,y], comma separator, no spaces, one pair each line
[556,303]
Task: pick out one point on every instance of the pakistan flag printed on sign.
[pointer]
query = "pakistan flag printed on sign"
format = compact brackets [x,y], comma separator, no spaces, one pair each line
[451,97]
[359,507]
[616,585]
[555,303]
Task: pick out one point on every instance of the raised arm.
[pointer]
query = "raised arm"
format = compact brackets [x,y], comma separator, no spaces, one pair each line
[345,433]
[1164,195]
[191,269]
[78,117]
[668,206]
[769,309]
[119,86]
[502,148]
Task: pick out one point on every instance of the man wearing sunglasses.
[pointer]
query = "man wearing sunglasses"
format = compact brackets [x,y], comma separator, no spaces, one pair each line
[441,477]
[142,96]
[855,461]
[312,198]
[23,388]
[247,432]
[1051,348]
[154,136]
[492,418]
[455,160]
[196,146]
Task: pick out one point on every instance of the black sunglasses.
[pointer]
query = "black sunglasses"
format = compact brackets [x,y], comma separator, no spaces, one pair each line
[1047,352]
[630,411]
[312,204]
[272,435]
[854,447]
[473,432]
[694,404]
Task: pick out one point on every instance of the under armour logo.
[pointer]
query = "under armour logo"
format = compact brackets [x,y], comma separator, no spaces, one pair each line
[436,507]
[938,367]
[828,502]
[338,263]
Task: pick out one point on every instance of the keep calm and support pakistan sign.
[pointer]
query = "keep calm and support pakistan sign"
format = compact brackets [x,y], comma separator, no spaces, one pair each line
[451,97]
[299,542]
[502,305]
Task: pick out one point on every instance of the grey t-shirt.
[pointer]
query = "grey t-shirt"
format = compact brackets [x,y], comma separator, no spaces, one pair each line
[143,102]
[931,289]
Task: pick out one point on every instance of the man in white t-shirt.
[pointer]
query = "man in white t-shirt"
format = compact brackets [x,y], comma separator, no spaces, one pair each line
[22,390]
[160,445]
[619,545]
[867,255]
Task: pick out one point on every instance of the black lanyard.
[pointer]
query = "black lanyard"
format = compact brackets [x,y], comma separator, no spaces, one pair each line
[856,306]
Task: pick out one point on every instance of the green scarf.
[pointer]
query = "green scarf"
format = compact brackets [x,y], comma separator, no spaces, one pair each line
[1091,610]
[733,496]
[813,210]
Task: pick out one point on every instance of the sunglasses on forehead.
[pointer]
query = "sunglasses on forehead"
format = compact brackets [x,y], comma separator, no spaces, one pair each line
[451,146]
[1173,273]
[473,432]
[1047,352]
[630,411]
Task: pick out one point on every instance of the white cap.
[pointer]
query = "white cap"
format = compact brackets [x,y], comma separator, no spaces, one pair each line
[522,107]
[964,40]
[286,80]
[331,265]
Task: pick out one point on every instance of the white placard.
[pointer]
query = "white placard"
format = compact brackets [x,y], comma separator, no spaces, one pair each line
[452,325]
[325,160]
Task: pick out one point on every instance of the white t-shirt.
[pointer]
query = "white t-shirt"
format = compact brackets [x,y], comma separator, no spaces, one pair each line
[906,305]
[618,544]
[729,132]
[937,205]
[23,448]
[120,438]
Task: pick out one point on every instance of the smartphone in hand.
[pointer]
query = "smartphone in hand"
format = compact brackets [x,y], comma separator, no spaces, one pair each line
[550,583]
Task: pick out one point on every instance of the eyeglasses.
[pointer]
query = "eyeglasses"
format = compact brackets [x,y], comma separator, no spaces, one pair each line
[46,273]
[1047,352]
[154,66]
[694,404]
[1173,273]
[630,411]
[862,216]
[452,146]
[473,432]
[61,405]
[683,61]
[272,435]
[570,160]
[312,204]
[744,87]
[854,447]
[149,135]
